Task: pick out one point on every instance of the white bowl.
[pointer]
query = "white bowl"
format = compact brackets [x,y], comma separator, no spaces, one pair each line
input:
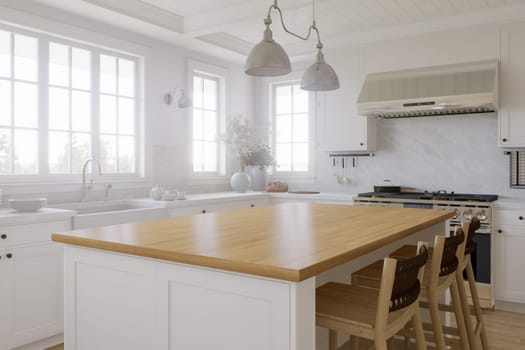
[27,205]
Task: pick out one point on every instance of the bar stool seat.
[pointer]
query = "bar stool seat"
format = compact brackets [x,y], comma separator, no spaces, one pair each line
[351,305]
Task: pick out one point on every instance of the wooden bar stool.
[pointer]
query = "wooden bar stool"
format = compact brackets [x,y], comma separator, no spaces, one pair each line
[465,267]
[375,314]
[440,276]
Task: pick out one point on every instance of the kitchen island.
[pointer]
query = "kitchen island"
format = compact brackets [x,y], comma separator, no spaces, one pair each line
[228,280]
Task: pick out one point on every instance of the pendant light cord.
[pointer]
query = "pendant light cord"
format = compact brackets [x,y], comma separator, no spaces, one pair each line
[313,27]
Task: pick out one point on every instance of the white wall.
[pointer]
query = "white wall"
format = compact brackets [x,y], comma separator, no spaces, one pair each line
[167,154]
[456,153]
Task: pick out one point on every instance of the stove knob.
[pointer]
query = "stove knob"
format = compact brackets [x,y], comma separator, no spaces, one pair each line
[468,214]
[482,215]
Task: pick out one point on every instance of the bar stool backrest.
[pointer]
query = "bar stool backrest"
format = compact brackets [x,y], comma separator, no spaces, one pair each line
[472,228]
[407,286]
[449,258]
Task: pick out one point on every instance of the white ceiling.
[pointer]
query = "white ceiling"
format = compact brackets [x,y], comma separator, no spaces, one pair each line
[234,26]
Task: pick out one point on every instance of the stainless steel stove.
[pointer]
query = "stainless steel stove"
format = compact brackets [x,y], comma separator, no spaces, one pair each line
[466,206]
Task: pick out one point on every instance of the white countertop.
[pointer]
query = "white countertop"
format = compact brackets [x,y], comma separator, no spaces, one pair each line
[509,203]
[196,199]
[218,197]
[10,217]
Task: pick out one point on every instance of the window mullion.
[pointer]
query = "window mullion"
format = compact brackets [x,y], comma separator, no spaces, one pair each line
[118,114]
[95,102]
[12,129]
[43,119]
[70,112]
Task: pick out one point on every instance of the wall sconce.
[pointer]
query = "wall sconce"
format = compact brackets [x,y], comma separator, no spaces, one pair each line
[183,101]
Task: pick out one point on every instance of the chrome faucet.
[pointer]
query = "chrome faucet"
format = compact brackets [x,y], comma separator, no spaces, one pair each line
[84,167]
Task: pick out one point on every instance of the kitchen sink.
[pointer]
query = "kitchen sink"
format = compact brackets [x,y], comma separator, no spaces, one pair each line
[96,214]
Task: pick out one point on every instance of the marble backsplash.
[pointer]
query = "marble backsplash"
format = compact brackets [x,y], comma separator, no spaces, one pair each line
[454,153]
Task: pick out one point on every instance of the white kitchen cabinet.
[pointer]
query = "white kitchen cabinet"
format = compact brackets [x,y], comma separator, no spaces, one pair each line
[339,126]
[214,206]
[31,292]
[34,276]
[508,244]
[512,70]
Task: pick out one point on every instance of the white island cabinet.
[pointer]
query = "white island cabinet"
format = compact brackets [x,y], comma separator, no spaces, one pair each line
[31,274]
[236,280]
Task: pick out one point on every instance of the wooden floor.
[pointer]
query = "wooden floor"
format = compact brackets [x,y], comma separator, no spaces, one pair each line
[506,331]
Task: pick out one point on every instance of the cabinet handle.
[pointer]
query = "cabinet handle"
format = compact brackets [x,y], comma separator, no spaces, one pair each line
[521,218]
[9,255]
[504,139]
[3,236]
[500,231]
[361,144]
[204,211]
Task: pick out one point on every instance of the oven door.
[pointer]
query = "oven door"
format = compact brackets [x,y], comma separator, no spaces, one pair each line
[481,258]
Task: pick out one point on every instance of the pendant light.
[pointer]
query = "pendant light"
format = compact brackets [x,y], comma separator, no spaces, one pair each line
[268,58]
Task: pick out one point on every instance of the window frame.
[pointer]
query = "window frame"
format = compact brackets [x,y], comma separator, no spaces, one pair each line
[297,176]
[205,70]
[44,176]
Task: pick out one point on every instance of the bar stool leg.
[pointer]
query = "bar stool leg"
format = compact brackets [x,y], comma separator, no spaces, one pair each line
[436,321]
[353,341]
[477,306]
[380,343]
[332,339]
[466,311]
[458,312]
[418,329]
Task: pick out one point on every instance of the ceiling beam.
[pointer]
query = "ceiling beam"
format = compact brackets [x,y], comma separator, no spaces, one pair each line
[143,11]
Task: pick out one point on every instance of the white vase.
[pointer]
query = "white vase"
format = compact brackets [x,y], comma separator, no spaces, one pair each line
[259,176]
[240,182]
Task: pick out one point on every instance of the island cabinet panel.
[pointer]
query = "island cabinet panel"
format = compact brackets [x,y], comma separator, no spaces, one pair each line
[119,301]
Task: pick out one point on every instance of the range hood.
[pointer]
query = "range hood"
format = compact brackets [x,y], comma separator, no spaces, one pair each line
[467,88]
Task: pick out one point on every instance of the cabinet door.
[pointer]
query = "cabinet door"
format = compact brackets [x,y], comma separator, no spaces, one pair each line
[508,262]
[340,127]
[34,276]
[511,119]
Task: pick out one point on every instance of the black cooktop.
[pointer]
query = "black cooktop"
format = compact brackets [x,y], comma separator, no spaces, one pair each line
[439,195]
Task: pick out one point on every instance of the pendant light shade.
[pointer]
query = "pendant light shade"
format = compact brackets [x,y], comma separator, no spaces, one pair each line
[320,76]
[268,58]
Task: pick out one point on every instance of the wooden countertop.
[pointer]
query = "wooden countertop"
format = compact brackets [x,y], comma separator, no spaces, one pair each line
[290,241]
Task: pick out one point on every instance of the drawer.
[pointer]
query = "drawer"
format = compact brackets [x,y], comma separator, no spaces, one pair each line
[29,234]
[510,217]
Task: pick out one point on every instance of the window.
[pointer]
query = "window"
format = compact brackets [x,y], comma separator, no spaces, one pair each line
[291,128]
[69,108]
[117,114]
[62,103]
[18,104]
[205,124]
